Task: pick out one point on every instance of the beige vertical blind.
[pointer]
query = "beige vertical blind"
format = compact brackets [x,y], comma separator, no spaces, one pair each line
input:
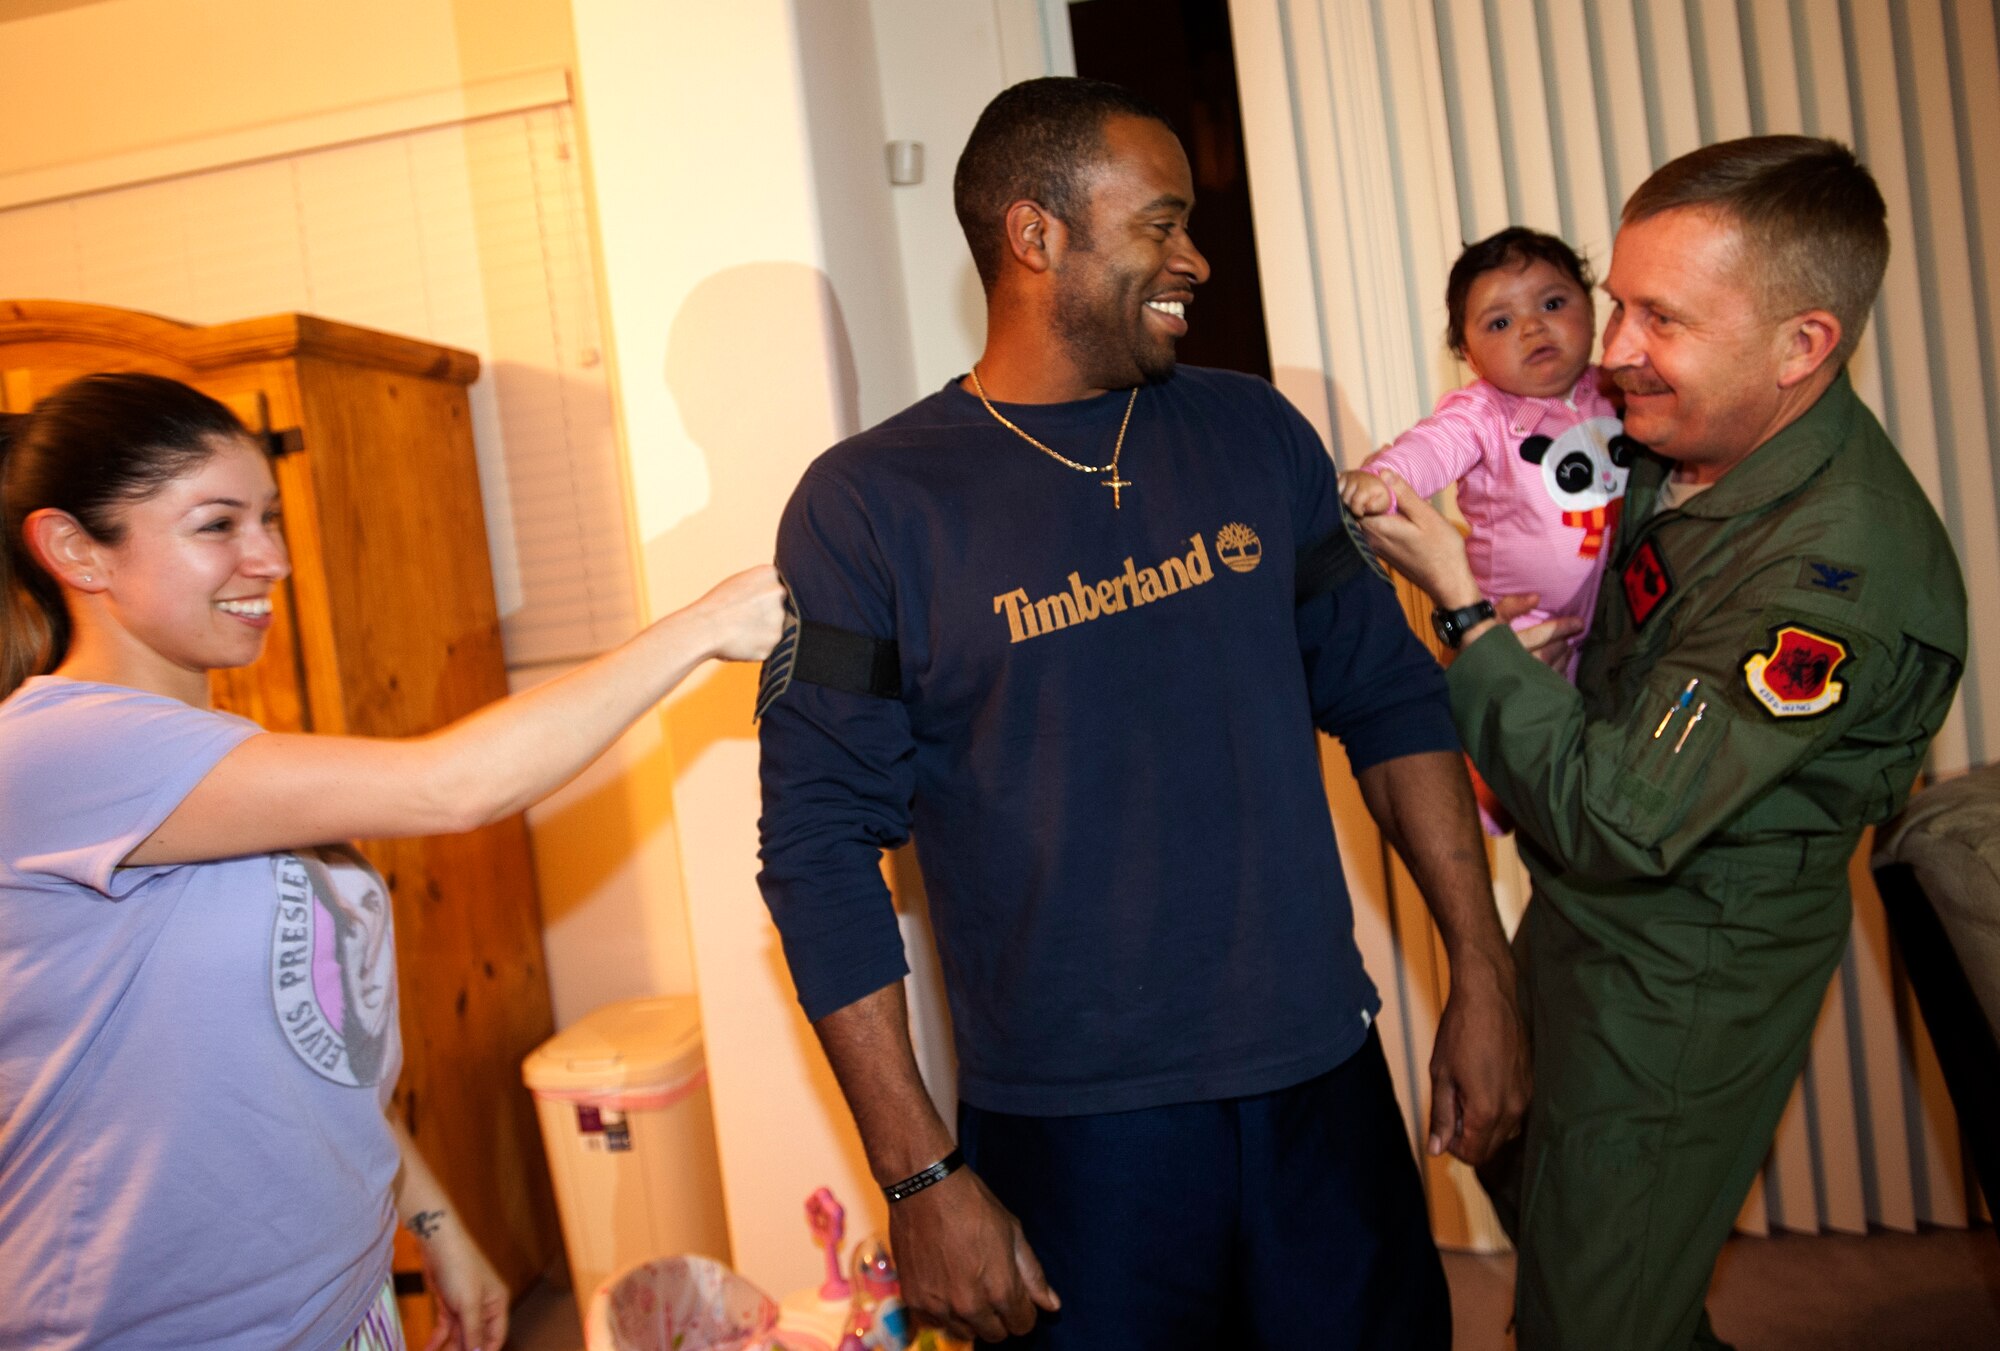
[1385,133]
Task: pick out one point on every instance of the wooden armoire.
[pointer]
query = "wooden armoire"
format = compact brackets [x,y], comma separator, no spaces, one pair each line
[387,627]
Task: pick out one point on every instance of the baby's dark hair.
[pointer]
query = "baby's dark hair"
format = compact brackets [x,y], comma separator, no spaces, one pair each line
[1515,246]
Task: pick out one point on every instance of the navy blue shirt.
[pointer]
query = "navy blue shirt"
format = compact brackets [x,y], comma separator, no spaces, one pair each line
[1104,747]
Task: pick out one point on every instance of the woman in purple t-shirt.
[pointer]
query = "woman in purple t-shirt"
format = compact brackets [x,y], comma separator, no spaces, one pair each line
[198,1034]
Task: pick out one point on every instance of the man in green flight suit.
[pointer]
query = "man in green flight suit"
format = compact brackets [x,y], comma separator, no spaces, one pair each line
[1778,638]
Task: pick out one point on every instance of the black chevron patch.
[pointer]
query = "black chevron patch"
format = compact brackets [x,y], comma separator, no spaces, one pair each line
[778,667]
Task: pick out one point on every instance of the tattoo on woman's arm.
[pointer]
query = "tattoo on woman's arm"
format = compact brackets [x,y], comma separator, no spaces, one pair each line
[426,1222]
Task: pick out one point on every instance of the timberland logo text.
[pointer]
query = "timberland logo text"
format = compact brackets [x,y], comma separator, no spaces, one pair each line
[1085,601]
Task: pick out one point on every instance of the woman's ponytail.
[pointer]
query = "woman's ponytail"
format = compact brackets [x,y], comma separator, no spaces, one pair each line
[32,621]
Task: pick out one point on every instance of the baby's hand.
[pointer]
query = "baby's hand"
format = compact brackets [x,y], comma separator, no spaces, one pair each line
[1365,495]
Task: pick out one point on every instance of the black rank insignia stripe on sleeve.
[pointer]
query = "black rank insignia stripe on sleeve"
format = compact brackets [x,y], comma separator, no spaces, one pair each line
[1647,582]
[1328,564]
[1828,578]
[1794,679]
[1361,544]
[1361,540]
[776,676]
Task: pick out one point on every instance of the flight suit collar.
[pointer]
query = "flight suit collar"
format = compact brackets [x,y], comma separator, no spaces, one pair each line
[1779,467]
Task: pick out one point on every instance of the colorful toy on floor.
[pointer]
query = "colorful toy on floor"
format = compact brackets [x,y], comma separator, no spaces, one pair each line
[864,1314]
[879,1294]
[829,1225]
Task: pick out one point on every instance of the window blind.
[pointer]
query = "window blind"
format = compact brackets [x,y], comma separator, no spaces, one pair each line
[472,235]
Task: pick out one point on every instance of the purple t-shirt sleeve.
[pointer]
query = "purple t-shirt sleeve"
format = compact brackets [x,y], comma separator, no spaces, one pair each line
[93,770]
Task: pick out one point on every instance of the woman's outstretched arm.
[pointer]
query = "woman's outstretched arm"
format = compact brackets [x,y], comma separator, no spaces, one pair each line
[282,791]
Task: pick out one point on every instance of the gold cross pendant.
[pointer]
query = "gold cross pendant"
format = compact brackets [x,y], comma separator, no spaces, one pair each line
[1117,486]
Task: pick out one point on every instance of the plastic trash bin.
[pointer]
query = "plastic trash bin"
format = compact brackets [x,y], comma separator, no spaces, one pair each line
[623,1101]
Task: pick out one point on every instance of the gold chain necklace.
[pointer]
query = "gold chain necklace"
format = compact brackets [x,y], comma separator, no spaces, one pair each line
[1114,483]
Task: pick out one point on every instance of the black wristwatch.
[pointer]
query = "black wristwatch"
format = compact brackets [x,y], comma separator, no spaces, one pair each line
[1451,625]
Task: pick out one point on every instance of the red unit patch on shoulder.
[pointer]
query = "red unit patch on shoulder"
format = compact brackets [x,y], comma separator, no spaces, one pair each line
[1795,678]
[1647,582]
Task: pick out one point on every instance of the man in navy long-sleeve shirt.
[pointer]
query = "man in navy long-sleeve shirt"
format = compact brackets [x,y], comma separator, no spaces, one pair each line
[1121,599]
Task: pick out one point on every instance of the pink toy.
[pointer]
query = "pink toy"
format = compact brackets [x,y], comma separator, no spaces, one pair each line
[829,1225]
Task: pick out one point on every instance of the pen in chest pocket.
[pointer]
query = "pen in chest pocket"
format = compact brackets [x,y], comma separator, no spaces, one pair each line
[1699,710]
[1687,697]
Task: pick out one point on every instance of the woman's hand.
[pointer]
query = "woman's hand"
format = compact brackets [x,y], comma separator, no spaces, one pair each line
[471,1297]
[744,614]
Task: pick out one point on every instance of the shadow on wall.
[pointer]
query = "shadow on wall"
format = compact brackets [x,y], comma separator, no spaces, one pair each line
[1309,389]
[761,368]
[748,365]
[825,1089]
[760,362]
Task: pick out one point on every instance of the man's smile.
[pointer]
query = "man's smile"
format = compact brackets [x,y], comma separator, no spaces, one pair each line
[1172,310]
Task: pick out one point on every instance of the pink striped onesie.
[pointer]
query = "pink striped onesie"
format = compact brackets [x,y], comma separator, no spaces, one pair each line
[1539,480]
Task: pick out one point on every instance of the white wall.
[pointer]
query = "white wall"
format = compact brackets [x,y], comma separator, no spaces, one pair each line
[96,80]
[729,378]
[940,64]
[608,871]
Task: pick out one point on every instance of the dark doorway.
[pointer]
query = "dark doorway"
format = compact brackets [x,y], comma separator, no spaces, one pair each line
[1178,54]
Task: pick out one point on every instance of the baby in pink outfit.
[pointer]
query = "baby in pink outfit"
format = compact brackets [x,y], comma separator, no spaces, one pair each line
[1536,449]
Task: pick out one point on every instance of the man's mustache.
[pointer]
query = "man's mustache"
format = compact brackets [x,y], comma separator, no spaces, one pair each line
[1634,381]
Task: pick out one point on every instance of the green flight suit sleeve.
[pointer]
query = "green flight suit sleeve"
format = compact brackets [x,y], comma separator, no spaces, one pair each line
[1613,801]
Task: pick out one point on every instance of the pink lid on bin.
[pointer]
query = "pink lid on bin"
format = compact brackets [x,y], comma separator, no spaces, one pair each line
[634,1046]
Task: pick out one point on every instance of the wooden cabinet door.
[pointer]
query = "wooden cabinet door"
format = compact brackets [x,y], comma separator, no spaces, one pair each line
[22,386]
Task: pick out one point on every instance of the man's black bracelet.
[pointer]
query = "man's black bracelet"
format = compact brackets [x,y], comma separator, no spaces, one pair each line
[925,1177]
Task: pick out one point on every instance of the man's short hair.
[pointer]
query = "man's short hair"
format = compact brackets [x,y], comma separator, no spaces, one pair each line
[1036,140]
[1814,230]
